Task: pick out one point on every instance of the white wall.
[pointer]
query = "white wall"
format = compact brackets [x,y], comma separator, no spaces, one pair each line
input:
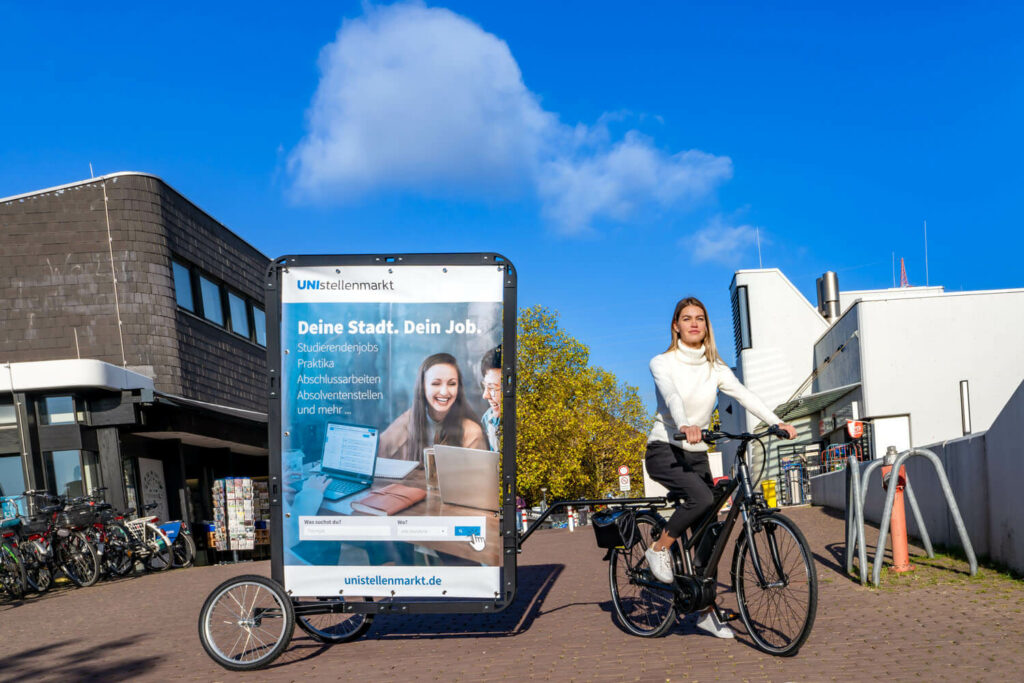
[846,299]
[915,351]
[783,327]
[844,367]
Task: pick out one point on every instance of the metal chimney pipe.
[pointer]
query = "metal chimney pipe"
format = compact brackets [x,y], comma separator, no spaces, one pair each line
[828,295]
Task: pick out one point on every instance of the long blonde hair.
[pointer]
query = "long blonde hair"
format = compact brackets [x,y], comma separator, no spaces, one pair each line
[710,350]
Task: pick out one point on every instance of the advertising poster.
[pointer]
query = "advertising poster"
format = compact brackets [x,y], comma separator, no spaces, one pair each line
[391,430]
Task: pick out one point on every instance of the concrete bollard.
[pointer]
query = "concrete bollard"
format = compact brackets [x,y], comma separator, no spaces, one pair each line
[572,525]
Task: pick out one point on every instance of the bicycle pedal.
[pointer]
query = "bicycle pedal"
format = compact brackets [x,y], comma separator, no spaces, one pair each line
[728,615]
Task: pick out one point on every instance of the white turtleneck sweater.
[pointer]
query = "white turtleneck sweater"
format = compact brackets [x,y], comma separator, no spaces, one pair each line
[687,388]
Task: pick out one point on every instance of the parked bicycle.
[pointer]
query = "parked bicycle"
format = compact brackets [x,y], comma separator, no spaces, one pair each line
[57,528]
[108,536]
[148,543]
[12,571]
[183,547]
[772,570]
[34,555]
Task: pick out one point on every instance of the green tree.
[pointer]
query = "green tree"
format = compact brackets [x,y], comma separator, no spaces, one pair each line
[576,423]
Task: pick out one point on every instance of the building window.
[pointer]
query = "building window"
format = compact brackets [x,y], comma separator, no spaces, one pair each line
[64,473]
[183,286]
[8,416]
[260,320]
[130,489]
[212,309]
[741,319]
[211,299]
[12,476]
[239,315]
[57,410]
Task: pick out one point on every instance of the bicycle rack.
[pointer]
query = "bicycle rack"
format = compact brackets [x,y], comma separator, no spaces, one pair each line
[856,494]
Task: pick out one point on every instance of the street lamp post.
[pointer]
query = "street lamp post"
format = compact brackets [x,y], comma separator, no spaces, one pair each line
[544,497]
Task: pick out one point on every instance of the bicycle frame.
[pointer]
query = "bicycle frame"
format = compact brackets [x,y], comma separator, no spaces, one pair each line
[748,504]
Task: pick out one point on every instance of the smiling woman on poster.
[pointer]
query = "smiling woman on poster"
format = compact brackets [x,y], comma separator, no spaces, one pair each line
[440,414]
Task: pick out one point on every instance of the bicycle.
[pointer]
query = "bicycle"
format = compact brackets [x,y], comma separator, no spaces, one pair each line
[35,556]
[148,542]
[108,536]
[56,529]
[772,570]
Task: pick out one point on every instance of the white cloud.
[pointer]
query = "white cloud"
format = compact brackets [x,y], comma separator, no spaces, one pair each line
[422,100]
[617,182]
[723,243]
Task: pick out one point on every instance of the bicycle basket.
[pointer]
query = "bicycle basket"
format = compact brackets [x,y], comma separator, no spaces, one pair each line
[77,516]
[615,528]
[36,525]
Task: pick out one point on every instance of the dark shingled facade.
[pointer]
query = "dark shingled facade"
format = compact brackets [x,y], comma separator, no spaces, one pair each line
[56,277]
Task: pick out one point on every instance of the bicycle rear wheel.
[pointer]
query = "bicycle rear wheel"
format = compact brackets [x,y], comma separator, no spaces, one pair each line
[246,622]
[778,615]
[334,627]
[184,549]
[78,559]
[644,606]
[158,546]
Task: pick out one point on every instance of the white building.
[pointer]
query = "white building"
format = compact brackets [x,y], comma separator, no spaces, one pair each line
[893,358]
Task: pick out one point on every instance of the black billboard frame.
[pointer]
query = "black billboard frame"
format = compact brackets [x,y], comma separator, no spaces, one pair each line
[507,521]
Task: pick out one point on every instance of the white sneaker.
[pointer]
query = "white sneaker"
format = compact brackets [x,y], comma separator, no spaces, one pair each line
[661,564]
[709,623]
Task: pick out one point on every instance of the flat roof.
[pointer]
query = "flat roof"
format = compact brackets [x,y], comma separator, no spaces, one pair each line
[72,373]
[114,177]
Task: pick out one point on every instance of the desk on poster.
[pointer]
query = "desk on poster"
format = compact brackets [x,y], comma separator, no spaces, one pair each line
[433,506]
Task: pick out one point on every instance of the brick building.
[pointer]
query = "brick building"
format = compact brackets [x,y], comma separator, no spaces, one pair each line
[133,345]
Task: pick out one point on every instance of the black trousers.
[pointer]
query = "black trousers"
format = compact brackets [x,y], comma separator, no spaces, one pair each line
[686,473]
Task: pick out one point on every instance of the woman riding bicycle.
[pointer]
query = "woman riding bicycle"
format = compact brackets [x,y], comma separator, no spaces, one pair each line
[687,378]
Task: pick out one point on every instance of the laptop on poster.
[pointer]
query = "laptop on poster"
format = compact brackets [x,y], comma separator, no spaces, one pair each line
[467,477]
[350,457]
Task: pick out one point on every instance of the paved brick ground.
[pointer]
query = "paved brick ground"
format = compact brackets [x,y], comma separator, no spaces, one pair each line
[938,624]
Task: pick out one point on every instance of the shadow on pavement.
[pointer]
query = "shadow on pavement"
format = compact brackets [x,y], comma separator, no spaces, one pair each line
[535,582]
[63,661]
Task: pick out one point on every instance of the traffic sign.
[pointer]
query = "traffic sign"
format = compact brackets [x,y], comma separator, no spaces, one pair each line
[623,470]
[624,482]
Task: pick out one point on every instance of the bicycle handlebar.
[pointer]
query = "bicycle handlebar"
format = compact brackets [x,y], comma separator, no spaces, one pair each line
[708,436]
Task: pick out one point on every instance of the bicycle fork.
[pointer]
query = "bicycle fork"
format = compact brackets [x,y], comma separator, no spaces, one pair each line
[755,558]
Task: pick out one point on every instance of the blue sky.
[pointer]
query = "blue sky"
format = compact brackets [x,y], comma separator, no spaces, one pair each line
[621,158]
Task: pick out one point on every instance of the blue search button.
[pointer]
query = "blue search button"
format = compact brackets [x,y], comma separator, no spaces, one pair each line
[467,531]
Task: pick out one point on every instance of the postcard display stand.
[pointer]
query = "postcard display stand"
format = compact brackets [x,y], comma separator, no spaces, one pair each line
[241,507]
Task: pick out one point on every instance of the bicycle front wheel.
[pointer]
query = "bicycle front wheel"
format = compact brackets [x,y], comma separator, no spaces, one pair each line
[779,612]
[644,606]
[117,553]
[334,627]
[12,571]
[246,623]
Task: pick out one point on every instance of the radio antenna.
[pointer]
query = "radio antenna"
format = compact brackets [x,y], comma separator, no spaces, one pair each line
[926,253]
